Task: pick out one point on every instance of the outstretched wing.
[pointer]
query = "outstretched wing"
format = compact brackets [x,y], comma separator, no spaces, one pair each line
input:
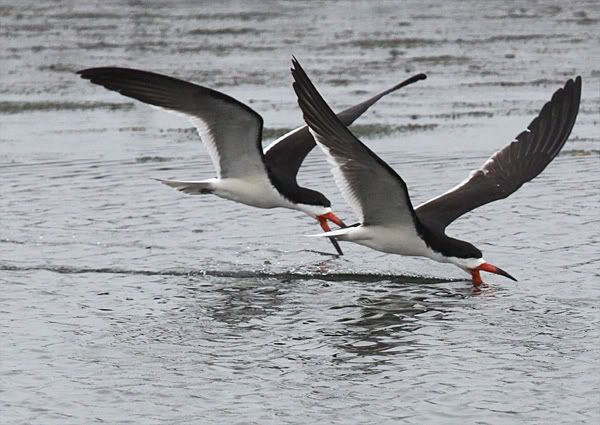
[512,166]
[376,193]
[285,155]
[231,131]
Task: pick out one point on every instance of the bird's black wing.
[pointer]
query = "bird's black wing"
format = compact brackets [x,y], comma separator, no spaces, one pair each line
[512,166]
[372,188]
[285,155]
[230,130]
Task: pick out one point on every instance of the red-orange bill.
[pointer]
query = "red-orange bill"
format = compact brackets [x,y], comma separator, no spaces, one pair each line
[487,267]
[325,226]
[331,217]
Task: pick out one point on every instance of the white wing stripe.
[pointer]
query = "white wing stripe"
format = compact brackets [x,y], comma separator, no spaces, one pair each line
[343,184]
[208,139]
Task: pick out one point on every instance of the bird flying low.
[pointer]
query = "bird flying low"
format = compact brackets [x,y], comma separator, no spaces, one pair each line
[379,196]
[232,134]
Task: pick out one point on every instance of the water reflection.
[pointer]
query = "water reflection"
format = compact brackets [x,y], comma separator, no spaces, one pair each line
[247,304]
[384,322]
[150,315]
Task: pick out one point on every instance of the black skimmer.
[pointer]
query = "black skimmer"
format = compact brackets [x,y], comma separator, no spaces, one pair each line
[379,196]
[232,133]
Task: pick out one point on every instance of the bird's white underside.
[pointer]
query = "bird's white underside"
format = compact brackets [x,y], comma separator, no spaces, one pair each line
[255,191]
[398,240]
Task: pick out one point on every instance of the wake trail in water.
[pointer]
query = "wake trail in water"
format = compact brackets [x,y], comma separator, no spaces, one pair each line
[237,274]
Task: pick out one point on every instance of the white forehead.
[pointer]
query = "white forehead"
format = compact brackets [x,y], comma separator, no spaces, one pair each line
[463,263]
[313,210]
[467,263]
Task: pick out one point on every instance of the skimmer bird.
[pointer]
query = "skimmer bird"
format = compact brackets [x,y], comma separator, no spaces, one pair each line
[232,133]
[379,196]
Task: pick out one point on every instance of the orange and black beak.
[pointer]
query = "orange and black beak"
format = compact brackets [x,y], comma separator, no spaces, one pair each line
[325,226]
[487,267]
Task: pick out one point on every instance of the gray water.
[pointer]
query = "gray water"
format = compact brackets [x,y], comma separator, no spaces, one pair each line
[124,301]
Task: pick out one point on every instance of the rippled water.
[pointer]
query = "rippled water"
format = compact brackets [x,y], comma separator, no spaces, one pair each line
[124,301]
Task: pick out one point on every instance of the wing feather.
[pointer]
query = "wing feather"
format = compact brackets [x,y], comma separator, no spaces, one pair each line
[514,165]
[372,188]
[285,155]
[231,131]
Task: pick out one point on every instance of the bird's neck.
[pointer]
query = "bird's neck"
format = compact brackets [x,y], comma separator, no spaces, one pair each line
[451,250]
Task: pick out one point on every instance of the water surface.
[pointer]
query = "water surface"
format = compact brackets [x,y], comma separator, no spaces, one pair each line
[125,301]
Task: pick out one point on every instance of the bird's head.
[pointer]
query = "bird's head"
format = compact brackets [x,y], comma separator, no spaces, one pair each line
[316,205]
[322,215]
[470,259]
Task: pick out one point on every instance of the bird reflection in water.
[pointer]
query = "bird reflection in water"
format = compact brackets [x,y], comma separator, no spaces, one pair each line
[386,321]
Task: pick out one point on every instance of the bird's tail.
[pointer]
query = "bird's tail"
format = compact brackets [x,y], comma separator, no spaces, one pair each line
[191,188]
